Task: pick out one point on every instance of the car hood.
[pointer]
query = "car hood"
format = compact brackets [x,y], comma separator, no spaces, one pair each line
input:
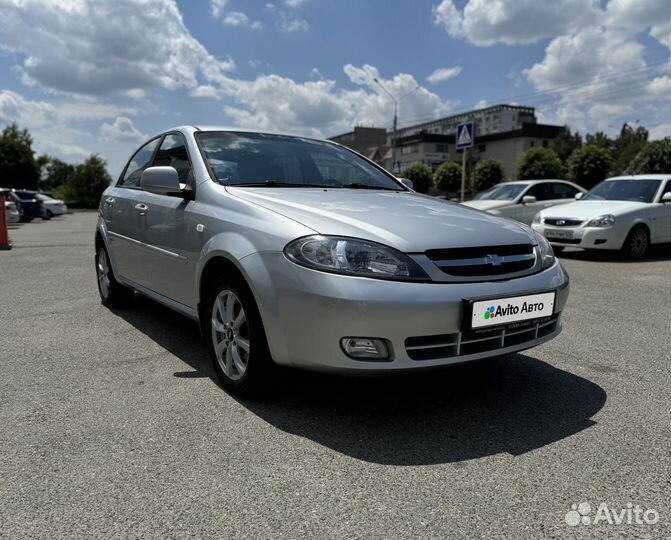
[590,209]
[487,205]
[409,222]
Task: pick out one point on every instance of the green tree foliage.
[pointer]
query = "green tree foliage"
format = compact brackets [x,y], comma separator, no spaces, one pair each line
[55,173]
[447,177]
[18,167]
[589,165]
[627,145]
[599,139]
[566,143]
[488,172]
[421,177]
[86,184]
[539,163]
[654,158]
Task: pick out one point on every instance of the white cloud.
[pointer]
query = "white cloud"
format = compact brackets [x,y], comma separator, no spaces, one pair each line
[660,131]
[482,104]
[294,3]
[443,74]
[236,18]
[122,129]
[217,7]
[287,23]
[660,86]
[485,22]
[100,47]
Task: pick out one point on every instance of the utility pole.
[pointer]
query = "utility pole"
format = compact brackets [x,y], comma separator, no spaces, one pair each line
[463,174]
[393,135]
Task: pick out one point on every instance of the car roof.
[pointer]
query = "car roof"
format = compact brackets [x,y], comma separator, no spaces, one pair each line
[213,128]
[641,177]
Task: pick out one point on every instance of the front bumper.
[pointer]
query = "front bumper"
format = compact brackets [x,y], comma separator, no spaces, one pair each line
[586,237]
[307,312]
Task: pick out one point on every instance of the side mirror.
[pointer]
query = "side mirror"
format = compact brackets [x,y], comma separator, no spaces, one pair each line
[161,180]
[666,198]
[528,199]
[579,195]
[408,183]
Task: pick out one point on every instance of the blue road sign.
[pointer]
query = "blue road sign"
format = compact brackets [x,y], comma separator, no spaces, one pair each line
[465,135]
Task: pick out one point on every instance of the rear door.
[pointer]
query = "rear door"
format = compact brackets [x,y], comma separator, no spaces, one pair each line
[121,207]
[171,241]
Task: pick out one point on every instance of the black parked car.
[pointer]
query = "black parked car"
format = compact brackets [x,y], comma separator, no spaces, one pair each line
[32,205]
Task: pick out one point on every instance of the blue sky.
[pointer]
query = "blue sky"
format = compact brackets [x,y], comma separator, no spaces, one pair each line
[99,76]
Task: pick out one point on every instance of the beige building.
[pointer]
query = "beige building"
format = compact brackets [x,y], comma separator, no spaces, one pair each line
[503,132]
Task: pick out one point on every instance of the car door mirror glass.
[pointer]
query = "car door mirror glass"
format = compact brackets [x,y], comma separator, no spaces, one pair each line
[528,199]
[161,181]
[579,195]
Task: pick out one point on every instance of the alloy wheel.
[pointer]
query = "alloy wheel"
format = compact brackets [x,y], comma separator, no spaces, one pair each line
[638,243]
[103,269]
[230,334]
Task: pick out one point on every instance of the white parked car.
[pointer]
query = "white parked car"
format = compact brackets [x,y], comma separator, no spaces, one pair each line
[522,200]
[627,213]
[52,207]
[12,212]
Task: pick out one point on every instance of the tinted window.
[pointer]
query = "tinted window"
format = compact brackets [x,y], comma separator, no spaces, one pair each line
[542,192]
[624,190]
[502,192]
[172,153]
[259,159]
[138,163]
[563,191]
[667,189]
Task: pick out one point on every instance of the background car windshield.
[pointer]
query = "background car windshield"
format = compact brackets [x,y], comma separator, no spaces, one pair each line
[254,158]
[503,193]
[624,190]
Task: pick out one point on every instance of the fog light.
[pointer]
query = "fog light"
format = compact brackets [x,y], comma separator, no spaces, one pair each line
[369,348]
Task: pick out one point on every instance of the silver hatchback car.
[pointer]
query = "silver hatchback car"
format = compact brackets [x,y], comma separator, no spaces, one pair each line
[301,252]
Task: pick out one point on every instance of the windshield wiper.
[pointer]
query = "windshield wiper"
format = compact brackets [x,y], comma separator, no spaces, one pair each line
[357,185]
[274,183]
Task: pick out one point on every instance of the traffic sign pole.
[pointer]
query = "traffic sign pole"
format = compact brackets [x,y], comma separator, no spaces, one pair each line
[463,174]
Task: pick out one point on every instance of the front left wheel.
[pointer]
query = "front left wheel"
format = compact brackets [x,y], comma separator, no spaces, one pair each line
[236,337]
[637,243]
[112,293]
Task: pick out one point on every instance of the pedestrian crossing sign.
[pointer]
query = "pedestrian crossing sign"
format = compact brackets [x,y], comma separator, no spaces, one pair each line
[465,135]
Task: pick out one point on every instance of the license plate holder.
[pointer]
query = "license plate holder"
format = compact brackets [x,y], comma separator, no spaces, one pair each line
[511,311]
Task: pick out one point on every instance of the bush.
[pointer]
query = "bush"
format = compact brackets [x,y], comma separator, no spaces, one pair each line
[589,165]
[488,173]
[420,176]
[654,158]
[538,164]
[448,177]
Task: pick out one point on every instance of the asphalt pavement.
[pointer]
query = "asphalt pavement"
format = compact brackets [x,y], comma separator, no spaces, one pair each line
[113,426]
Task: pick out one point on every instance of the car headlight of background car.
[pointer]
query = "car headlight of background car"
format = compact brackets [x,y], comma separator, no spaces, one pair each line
[352,256]
[547,255]
[537,219]
[602,221]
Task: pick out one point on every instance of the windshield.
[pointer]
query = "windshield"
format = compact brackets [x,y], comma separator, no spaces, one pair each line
[259,160]
[504,192]
[624,190]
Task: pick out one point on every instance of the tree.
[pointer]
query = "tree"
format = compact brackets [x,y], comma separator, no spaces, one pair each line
[18,168]
[600,139]
[488,172]
[627,145]
[55,173]
[539,163]
[420,176]
[87,183]
[589,165]
[566,143]
[654,158]
[447,177]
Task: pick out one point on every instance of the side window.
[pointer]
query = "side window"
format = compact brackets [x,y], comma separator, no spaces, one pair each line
[563,191]
[172,153]
[667,189]
[541,191]
[137,164]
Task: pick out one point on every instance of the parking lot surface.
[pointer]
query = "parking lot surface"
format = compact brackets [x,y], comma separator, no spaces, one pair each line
[113,427]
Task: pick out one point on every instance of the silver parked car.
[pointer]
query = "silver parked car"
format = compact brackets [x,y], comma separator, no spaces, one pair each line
[522,200]
[300,252]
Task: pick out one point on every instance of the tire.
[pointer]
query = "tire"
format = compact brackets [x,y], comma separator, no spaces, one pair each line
[236,338]
[637,244]
[557,249]
[50,214]
[112,293]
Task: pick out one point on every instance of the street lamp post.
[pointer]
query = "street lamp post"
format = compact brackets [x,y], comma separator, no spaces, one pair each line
[393,136]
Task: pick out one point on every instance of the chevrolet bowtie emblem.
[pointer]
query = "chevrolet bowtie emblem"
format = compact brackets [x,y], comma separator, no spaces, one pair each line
[494,260]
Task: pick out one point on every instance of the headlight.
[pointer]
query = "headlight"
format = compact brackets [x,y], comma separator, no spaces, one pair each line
[602,221]
[353,257]
[547,255]
[537,219]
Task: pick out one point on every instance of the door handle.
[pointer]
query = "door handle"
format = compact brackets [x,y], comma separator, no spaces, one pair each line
[141,207]
[109,200]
